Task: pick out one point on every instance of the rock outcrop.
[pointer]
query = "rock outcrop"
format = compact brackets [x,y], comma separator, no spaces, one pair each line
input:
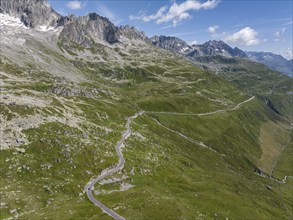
[209,48]
[33,13]
[131,32]
[88,30]
[172,44]
[214,48]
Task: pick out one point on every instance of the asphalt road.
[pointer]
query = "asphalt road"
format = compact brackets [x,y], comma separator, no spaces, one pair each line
[119,166]
[203,114]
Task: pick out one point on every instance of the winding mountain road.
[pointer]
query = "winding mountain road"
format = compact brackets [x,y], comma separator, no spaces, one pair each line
[203,114]
[119,166]
[126,134]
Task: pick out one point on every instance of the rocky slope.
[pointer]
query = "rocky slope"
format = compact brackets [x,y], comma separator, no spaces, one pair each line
[214,48]
[172,44]
[31,12]
[89,29]
[85,30]
[203,137]
[220,48]
[130,32]
[209,48]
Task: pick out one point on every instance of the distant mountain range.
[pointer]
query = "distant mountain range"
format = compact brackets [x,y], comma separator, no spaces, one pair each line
[220,48]
[273,61]
[86,30]
[209,48]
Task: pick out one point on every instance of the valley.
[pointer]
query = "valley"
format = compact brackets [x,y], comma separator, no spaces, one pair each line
[111,125]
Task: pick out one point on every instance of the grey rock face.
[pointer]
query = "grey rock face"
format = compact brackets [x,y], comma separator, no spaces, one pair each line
[88,30]
[239,53]
[210,48]
[205,52]
[85,31]
[132,33]
[172,44]
[33,13]
[214,47]
[67,91]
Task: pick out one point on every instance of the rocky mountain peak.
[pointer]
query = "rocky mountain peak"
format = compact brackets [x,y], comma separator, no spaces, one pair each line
[214,47]
[172,44]
[239,53]
[209,48]
[33,13]
[132,33]
[88,30]
[215,43]
[85,31]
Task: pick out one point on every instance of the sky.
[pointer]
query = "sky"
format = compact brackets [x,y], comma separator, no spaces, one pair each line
[251,25]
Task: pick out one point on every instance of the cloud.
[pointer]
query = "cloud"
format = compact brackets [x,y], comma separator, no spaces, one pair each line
[213,29]
[278,34]
[176,12]
[193,42]
[287,54]
[141,15]
[60,11]
[74,5]
[246,36]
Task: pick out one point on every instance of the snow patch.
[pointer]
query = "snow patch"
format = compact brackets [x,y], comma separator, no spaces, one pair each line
[184,49]
[7,20]
[45,28]
[10,21]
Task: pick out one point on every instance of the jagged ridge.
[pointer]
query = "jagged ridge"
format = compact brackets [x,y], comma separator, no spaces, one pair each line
[33,13]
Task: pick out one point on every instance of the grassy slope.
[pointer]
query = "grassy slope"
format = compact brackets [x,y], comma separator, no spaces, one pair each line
[173,177]
[257,79]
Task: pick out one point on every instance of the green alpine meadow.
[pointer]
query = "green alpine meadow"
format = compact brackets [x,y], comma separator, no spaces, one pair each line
[101,121]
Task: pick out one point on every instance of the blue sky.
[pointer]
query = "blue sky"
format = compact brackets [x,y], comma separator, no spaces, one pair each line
[250,25]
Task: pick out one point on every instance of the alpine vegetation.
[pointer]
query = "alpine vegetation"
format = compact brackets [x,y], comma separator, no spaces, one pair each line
[102,121]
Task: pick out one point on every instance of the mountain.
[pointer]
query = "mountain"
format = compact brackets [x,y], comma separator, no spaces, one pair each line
[99,122]
[31,12]
[90,29]
[235,66]
[130,32]
[213,48]
[220,48]
[172,44]
[84,30]
[273,61]
[209,48]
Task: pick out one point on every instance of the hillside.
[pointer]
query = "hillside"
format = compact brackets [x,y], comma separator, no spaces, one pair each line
[197,145]
[220,48]
[273,61]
